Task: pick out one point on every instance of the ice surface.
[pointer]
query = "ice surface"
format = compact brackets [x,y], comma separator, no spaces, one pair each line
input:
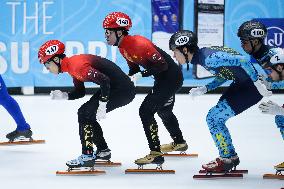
[255,136]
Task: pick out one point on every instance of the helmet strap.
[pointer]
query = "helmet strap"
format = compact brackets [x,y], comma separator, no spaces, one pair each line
[252,47]
[57,64]
[59,67]
[186,58]
[117,38]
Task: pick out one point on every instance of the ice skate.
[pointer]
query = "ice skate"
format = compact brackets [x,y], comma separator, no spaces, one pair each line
[174,147]
[26,134]
[278,175]
[221,168]
[219,165]
[21,138]
[152,158]
[83,165]
[279,167]
[236,161]
[102,154]
[82,161]
[102,159]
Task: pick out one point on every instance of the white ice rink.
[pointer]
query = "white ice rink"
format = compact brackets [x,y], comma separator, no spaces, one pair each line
[255,136]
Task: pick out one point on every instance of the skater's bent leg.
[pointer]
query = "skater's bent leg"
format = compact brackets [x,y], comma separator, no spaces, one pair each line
[98,138]
[12,107]
[170,121]
[86,136]
[146,112]
[279,120]
[216,119]
[86,128]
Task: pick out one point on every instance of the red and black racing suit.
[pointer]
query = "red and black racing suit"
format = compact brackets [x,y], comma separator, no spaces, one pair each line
[139,51]
[115,88]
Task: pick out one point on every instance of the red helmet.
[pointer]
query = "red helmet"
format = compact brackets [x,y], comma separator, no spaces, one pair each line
[117,20]
[49,49]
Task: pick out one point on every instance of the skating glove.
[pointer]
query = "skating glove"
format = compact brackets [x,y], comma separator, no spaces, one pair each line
[101,112]
[271,108]
[194,92]
[134,78]
[262,88]
[263,80]
[58,95]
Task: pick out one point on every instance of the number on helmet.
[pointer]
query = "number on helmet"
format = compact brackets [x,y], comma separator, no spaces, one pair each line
[122,22]
[51,50]
[182,40]
[257,32]
[277,58]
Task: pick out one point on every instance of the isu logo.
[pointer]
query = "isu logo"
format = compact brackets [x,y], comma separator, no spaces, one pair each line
[275,36]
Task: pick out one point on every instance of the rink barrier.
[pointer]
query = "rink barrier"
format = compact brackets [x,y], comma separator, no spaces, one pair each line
[139,90]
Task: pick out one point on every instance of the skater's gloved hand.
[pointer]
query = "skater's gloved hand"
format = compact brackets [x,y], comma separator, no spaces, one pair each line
[194,92]
[263,80]
[271,108]
[101,112]
[134,78]
[58,95]
[262,88]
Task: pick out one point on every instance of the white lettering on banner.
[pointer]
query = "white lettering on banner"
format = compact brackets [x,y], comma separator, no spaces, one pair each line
[72,45]
[94,45]
[3,62]
[13,4]
[15,58]
[278,36]
[28,17]
[35,17]
[45,17]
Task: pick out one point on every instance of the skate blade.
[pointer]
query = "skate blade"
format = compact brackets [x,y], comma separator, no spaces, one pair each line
[219,176]
[80,173]
[180,155]
[149,171]
[273,176]
[233,171]
[22,142]
[106,164]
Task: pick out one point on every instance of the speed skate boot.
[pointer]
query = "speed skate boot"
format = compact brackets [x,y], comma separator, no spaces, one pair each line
[279,168]
[236,161]
[174,147]
[152,158]
[82,161]
[102,154]
[219,165]
[19,134]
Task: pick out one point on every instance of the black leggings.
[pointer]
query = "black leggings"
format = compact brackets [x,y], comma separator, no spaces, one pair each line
[161,100]
[90,130]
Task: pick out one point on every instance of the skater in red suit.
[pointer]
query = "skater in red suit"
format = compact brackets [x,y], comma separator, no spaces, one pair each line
[116,90]
[141,52]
